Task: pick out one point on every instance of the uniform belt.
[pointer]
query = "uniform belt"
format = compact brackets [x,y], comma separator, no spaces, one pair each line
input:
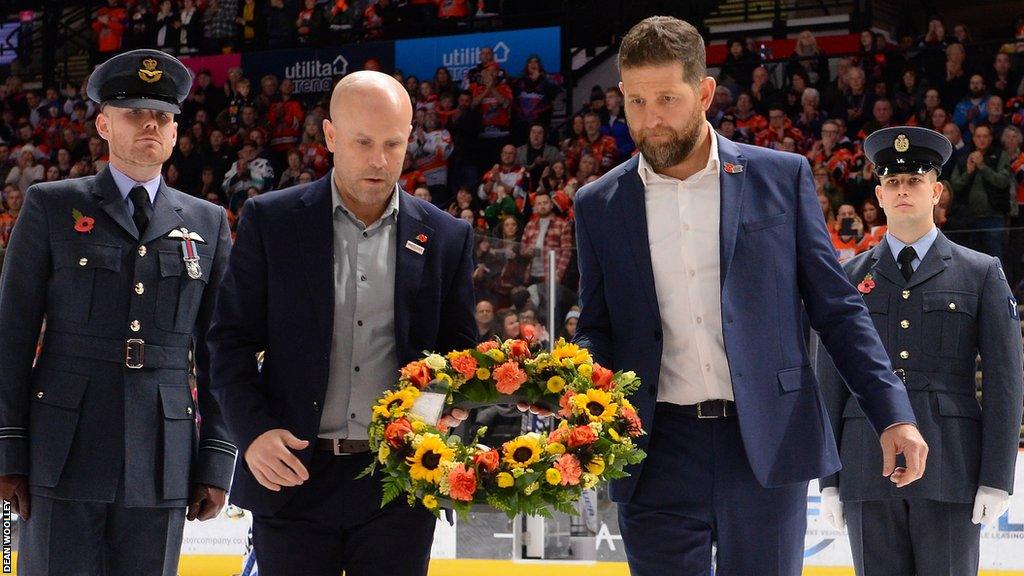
[916,380]
[707,409]
[339,446]
[134,353]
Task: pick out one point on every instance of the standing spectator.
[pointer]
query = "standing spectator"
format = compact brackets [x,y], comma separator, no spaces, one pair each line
[141,32]
[953,85]
[492,99]
[1003,81]
[952,133]
[1013,145]
[280,25]
[290,175]
[808,58]
[881,117]
[250,22]
[845,239]
[763,92]
[739,66]
[311,24]
[593,143]
[546,233]
[485,328]
[188,159]
[109,27]
[219,26]
[487,62]
[856,101]
[27,171]
[444,85]
[614,122]
[536,155]
[167,28]
[981,192]
[285,118]
[464,125]
[247,172]
[315,155]
[534,96]
[13,199]
[748,121]
[974,107]
[810,118]
[507,173]
[190,33]
[430,146]
[909,95]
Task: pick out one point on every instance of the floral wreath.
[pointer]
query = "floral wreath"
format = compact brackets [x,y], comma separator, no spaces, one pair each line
[592,443]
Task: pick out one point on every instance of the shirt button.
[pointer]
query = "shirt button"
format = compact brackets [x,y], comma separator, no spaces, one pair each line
[363,278]
[316,406]
[83,261]
[142,251]
[366,234]
[707,367]
[700,320]
[40,394]
[904,354]
[905,324]
[693,273]
[188,410]
[139,288]
[352,415]
[135,326]
[359,323]
[906,294]
[357,368]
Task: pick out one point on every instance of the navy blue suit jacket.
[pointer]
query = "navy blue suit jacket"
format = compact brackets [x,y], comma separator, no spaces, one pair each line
[278,296]
[776,261]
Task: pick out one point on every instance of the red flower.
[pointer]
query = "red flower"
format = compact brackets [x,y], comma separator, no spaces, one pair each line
[528,332]
[395,432]
[484,347]
[509,377]
[418,373]
[487,460]
[462,483]
[866,286]
[465,365]
[581,436]
[634,427]
[84,224]
[560,435]
[519,349]
[601,377]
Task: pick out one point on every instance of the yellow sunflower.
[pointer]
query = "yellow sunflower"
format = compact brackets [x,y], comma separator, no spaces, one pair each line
[564,350]
[522,452]
[430,457]
[396,404]
[597,405]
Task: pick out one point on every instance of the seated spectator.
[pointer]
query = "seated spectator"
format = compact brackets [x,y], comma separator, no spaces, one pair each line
[952,132]
[873,217]
[315,155]
[572,319]
[285,118]
[939,120]
[856,101]
[431,146]
[27,172]
[484,315]
[504,204]
[748,121]
[996,117]
[846,239]
[508,173]
[721,105]
[554,177]
[909,95]
[762,91]
[779,127]
[290,175]
[923,114]
[739,65]
[411,178]
[423,193]
[13,201]
[614,122]
[1003,81]
[248,172]
[973,109]
[546,233]
[808,58]
[727,128]
[536,155]
[585,173]
[576,131]
[881,117]
[593,143]
[810,117]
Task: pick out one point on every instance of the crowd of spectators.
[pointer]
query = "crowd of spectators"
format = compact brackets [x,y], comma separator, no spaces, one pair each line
[487,149]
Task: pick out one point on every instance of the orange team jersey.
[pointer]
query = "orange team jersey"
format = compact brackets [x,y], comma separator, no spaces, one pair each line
[453,8]
[847,249]
[604,150]
[411,180]
[1017,171]
[492,113]
[872,238]
[752,125]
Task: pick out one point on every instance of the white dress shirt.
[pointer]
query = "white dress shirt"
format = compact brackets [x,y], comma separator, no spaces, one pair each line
[683,228]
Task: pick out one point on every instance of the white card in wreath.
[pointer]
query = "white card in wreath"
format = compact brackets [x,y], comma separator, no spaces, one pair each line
[428,407]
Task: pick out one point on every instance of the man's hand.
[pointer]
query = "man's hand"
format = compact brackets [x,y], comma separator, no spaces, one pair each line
[832,508]
[205,503]
[14,489]
[903,439]
[533,409]
[454,418]
[989,505]
[271,461]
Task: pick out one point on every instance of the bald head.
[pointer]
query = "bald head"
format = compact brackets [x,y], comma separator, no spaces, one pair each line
[371,91]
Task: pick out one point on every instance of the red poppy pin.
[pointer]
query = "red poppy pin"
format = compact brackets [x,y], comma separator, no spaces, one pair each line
[422,238]
[867,284]
[733,168]
[83,223]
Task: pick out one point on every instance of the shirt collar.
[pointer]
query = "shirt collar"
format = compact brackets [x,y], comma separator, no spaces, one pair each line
[921,247]
[336,202]
[125,183]
[648,175]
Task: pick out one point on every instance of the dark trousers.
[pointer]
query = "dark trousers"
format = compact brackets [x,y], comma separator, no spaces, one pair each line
[334,522]
[913,537]
[69,538]
[697,489]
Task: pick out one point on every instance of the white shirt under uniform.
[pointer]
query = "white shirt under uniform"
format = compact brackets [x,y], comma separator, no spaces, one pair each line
[683,228]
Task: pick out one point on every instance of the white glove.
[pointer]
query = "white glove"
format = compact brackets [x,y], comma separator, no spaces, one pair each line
[989,505]
[832,508]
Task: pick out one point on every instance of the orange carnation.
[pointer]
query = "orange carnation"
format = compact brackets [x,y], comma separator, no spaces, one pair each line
[509,377]
[465,365]
[518,349]
[634,426]
[395,432]
[569,467]
[418,373]
[462,483]
[565,404]
[581,436]
[601,377]
[487,461]
[560,435]
[483,347]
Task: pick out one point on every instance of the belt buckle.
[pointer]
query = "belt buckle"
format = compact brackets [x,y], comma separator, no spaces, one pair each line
[140,354]
[700,413]
[336,446]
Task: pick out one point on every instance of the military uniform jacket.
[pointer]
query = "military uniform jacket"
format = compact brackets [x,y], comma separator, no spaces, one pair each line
[956,305]
[95,410]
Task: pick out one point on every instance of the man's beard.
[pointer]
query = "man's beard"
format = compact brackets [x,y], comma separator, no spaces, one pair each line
[681,143]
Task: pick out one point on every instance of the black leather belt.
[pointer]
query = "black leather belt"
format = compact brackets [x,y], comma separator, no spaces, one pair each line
[916,380]
[133,353]
[340,446]
[707,409]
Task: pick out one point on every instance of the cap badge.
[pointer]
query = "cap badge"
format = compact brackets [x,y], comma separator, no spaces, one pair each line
[902,143]
[148,72]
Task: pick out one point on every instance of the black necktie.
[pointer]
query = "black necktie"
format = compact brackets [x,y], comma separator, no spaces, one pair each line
[906,256]
[143,208]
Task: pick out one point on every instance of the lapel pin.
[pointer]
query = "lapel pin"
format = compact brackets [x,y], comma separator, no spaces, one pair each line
[422,238]
[733,168]
[410,245]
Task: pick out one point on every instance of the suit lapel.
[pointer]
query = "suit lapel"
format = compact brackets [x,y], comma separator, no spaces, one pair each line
[166,215]
[412,231]
[731,199]
[315,230]
[628,201]
[112,203]
[885,264]
[934,262]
